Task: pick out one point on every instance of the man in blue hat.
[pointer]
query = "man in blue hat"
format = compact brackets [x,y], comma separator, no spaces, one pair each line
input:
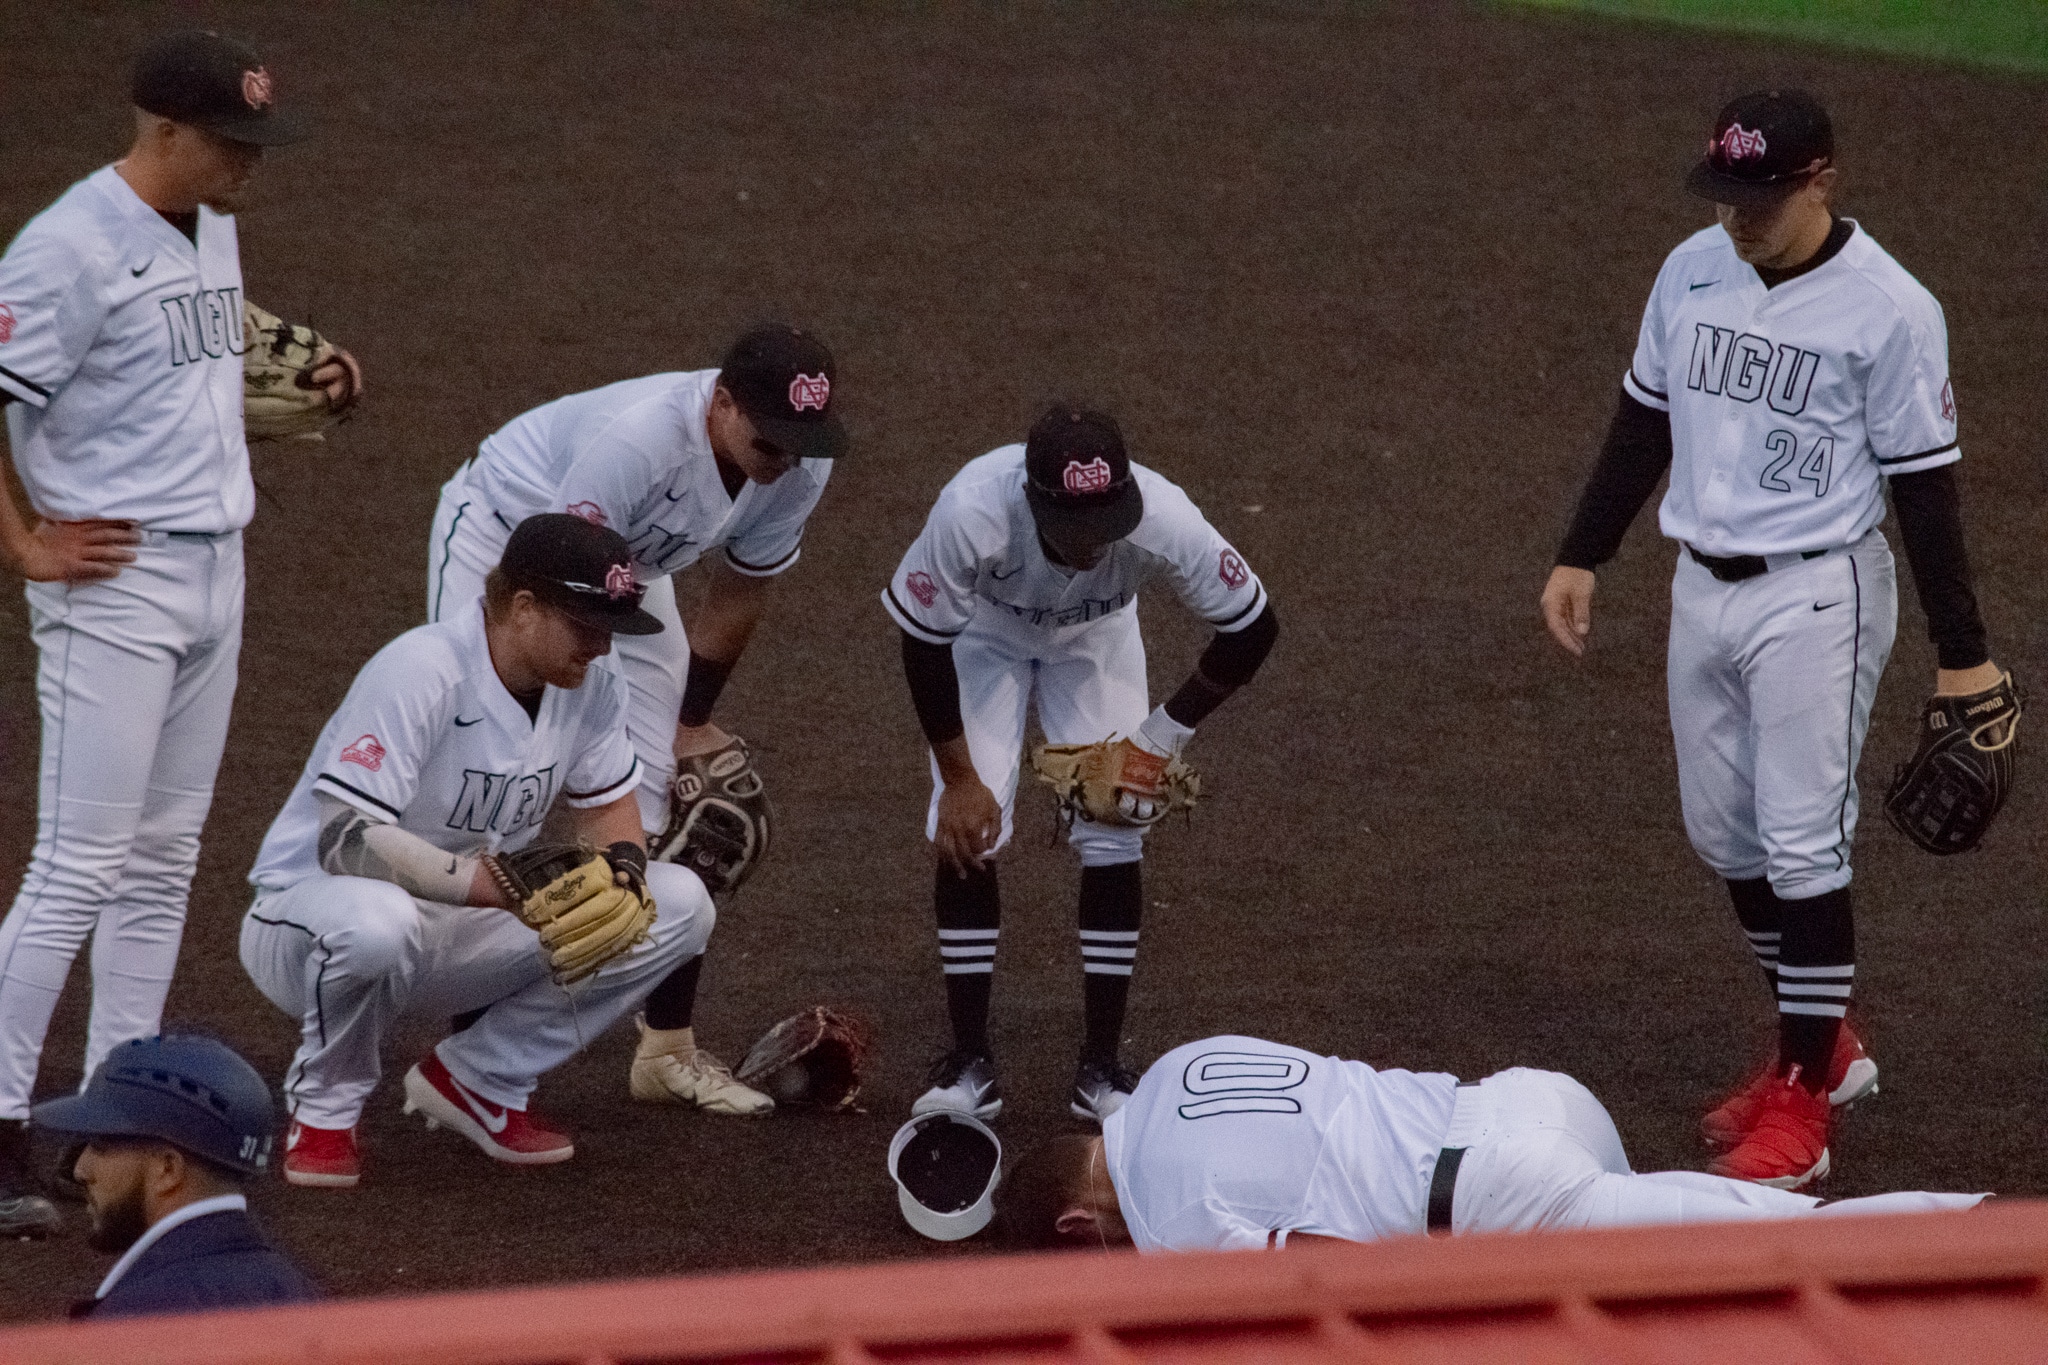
[173,1128]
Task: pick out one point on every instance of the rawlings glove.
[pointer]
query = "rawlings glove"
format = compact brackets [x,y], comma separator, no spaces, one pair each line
[570,893]
[279,398]
[1947,794]
[1114,782]
[813,1057]
[719,818]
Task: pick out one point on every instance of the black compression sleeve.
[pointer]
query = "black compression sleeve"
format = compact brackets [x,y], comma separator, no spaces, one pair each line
[700,692]
[1226,665]
[934,688]
[1930,510]
[1633,458]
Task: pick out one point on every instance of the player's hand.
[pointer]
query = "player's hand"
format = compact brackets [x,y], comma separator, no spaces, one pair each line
[692,740]
[341,377]
[1961,682]
[77,552]
[1568,607]
[970,822]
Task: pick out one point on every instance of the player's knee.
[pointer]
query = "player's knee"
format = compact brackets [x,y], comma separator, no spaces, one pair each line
[383,933]
[684,914]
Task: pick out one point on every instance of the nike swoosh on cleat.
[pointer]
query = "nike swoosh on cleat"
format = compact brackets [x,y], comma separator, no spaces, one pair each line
[460,723]
[1701,285]
[1823,606]
[475,1106]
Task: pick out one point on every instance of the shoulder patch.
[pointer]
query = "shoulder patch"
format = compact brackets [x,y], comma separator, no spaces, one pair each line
[1948,400]
[1230,568]
[922,588]
[366,752]
[6,324]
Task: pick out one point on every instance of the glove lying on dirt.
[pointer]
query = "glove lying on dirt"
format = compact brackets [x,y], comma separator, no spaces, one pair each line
[719,818]
[570,893]
[279,398]
[1947,794]
[1114,782]
[813,1057]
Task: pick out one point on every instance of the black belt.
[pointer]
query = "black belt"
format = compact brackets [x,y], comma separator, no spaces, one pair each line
[1735,568]
[1443,1187]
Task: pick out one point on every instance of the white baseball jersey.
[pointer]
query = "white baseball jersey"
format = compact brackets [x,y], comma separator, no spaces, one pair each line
[123,342]
[1228,1140]
[429,739]
[1788,405]
[635,456]
[979,550]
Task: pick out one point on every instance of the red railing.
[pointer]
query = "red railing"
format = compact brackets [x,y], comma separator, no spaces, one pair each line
[1934,1287]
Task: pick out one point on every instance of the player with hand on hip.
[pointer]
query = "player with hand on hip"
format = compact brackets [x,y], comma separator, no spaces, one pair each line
[375,889]
[1024,583]
[1235,1144]
[121,343]
[1788,370]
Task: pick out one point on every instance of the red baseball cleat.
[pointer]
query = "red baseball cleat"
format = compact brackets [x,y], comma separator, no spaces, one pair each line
[1787,1147]
[510,1135]
[1851,1075]
[321,1157]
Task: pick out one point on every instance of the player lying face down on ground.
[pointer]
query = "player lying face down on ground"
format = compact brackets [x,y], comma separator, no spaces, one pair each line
[403,875]
[1238,1143]
[1022,589]
[1790,374]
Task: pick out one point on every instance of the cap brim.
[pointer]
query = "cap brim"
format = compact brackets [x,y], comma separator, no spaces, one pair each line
[818,440]
[1087,522]
[636,622]
[946,1227]
[86,1115]
[1710,182]
[263,130]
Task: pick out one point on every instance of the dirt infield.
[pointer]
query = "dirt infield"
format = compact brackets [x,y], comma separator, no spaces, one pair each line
[1363,282]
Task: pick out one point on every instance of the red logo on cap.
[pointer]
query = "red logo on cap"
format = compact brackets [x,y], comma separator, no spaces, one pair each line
[619,582]
[810,391]
[1092,477]
[1948,397]
[589,511]
[6,322]
[256,89]
[922,588]
[1231,570]
[1739,144]
[366,752]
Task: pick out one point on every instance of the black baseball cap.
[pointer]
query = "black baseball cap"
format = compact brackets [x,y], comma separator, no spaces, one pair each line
[581,567]
[214,82]
[783,378]
[1764,146]
[1077,478]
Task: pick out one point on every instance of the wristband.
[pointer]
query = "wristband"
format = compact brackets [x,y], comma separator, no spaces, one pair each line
[627,854]
[1162,736]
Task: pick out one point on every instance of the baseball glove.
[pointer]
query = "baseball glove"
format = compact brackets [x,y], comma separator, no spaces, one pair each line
[1947,794]
[812,1057]
[1114,782]
[279,398]
[570,893]
[719,818]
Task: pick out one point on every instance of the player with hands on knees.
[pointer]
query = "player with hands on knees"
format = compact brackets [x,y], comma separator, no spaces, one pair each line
[1023,587]
[122,376]
[404,876]
[1788,373]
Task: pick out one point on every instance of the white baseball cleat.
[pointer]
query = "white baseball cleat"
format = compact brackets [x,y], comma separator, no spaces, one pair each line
[963,1082]
[1100,1088]
[509,1135]
[670,1068]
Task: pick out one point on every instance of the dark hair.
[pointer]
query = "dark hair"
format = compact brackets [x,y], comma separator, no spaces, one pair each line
[1046,1181]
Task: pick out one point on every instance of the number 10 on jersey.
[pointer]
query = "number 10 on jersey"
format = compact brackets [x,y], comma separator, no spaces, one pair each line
[1816,469]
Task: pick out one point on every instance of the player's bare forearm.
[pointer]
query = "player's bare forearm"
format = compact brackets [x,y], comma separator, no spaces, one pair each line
[970,818]
[59,551]
[615,823]
[724,621]
[1961,682]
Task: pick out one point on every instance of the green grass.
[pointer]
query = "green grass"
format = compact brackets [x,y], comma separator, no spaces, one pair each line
[2012,34]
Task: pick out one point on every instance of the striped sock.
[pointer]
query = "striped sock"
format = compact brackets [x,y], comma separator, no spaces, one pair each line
[969,914]
[1112,900]
[1762,917]
[1816,974]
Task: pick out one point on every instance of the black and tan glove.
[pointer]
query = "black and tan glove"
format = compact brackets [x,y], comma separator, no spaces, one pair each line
[280,401]
[571,894]
[1948,793]
[719,818]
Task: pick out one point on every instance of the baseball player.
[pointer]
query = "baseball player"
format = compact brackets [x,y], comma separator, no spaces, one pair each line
[1024,583]
[1788,371]
[121,341]
[731,459]
[375,888]
[1237,1143]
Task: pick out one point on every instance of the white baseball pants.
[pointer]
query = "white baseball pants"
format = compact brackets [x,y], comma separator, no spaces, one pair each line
[468,539]
[135,678]
[1771,683]
[1541,1152]
[1090,685]
[349,956]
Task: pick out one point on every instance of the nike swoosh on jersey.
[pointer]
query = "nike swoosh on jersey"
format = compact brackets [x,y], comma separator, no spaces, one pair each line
[462,724]
[999,577]
[1823,606]
[136,271]
[1701,285]
[493,1123]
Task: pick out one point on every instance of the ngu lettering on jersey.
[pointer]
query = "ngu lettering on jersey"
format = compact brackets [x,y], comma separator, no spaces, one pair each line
[1747,367]
[204,325]
[523,799]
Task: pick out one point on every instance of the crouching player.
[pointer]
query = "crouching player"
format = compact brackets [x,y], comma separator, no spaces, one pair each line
[375,897]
